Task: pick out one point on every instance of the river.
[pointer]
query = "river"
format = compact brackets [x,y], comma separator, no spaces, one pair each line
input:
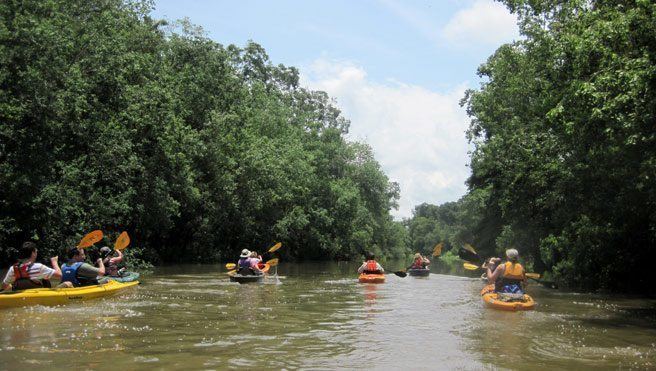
[317,316]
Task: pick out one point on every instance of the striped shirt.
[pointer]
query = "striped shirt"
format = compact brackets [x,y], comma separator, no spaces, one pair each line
[37,271]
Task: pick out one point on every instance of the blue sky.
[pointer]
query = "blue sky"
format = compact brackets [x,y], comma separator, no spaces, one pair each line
[397,69]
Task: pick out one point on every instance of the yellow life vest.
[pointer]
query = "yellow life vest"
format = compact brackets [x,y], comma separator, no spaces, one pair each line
[513,271]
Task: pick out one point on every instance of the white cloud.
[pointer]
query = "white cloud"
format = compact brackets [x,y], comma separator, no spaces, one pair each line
[485,22]
[417,134]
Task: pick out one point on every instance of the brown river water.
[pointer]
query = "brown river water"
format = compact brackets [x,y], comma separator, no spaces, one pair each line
[317,316]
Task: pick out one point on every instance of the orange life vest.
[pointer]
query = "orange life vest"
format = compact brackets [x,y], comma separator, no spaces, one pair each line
[22,271]
[371,266]
[513,271]
[418,263]
[22,280]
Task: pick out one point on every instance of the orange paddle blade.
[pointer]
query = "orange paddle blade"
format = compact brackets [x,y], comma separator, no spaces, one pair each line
[533,275]
[437,251]
[275,247]
[273,262]
[122,241]
[90,239]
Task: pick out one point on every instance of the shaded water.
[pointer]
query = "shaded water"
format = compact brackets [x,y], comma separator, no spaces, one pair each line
[191,317]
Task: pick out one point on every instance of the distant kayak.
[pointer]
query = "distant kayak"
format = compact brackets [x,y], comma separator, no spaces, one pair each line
[371,278]
[251,278]
[492,300]
[419,272]
[125,277]
[58,296]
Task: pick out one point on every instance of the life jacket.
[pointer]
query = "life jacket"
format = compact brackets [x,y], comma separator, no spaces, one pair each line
[111,269]
[22,280]
[418,264]
[69,274]
[371,267]
[512,278]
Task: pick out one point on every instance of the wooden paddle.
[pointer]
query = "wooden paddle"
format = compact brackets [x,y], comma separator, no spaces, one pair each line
[122,241]
[90,239]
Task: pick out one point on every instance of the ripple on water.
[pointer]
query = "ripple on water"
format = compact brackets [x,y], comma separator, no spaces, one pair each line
[143,359]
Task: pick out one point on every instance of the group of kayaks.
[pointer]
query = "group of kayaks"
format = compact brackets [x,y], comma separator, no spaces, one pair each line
[491,298]
[112,285]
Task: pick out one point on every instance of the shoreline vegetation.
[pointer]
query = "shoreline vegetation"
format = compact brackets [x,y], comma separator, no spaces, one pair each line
[113,120]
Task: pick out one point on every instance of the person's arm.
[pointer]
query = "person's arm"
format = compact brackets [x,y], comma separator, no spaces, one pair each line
[117,259]
[9,279]
[380,267]
[54,261]
[101,267]
[492,276]
[361,269]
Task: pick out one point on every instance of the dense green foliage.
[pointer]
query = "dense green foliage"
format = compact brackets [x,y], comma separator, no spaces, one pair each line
[564,127]
[112,120]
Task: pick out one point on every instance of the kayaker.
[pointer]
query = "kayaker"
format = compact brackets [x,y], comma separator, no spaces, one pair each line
[244,264]
[508,277]
[27,274]
[76,273]
[111,259]
[491,265]
[371,266]
[420,262]
[256,259]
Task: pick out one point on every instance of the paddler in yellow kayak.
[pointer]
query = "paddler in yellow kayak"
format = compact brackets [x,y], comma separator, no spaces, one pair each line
[371,266]
[76,273]
[111,259]
[508,277]
[27,274]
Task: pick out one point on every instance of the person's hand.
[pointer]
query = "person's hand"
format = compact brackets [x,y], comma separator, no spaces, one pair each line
[54,259]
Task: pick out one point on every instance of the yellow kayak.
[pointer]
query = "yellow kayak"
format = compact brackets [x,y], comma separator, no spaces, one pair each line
[61,296]
[491,299]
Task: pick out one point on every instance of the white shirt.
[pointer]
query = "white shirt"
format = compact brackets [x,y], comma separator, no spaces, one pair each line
[37,271]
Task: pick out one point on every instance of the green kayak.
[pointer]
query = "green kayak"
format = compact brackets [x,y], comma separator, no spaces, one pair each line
[125,277]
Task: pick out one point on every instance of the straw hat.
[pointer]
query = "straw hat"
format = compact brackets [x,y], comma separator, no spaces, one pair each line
[512,253]
[245,253]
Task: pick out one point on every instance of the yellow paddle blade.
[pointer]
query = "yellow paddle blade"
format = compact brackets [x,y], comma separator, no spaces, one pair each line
[232,273]
[469,248]
[273,262]
[470,266]
[122,241]
[275,247]
[231,266]
[90,239]
[437,251]
[533,275]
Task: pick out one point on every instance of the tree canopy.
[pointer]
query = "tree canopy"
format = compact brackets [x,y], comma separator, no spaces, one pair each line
[111,119]
[565,142]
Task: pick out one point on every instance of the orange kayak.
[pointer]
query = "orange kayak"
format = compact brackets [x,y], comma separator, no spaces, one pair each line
[491,299]
[371,278]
